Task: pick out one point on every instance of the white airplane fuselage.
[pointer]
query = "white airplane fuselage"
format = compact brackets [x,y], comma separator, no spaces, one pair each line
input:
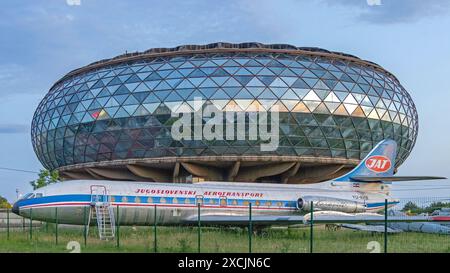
[70,202]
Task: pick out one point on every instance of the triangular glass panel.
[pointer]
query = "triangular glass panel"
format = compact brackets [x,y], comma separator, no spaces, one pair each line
[332,106]
[308,74]
[122,90]
[152,98]
[231,69]
[288,73]
[141,88]
[243,94]
[299,83]
[231,82]
[278,83]
[332,98]
[151,107]
[98,84]
[131,100]
[114,81]
[340,110]
[267,103]
[220,94]
[132,86]
[143,75]
[255,82]
[267,94]
[219,80]
[289,104]
[196,81]
[358,112]
[312,105]
[185,84]
[163,86]
[243,80]
[121,113]
[321,109]
[266,72]
[196,95]
[350,107]
[301,93]
[134,78]
[311,96]
[152,84]
[140,97]
[310,82]
[153,77]
[290,95]
[322,94]
[173,82]
[197,73]
[208,83]
[220,72]
[231,62]
[130,108]
[173,96]
[186,71]
[301,107]
[161,94]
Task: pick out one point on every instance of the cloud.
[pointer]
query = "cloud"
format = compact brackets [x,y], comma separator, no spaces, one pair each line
[394,11]
[14,128]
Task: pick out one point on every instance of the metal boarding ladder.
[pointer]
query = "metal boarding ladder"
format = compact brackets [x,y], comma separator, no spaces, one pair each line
[102,211]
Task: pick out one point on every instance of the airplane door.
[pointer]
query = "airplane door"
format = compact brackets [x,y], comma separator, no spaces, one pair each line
[98,194]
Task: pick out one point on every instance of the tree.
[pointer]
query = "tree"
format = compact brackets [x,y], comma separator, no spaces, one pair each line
[413,208]
[46,177]
[4,204]
[410,207]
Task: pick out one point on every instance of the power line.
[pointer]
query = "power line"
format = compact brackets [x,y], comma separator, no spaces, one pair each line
[17,170]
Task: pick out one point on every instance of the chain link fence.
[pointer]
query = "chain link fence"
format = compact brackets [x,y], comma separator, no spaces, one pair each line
[398,229]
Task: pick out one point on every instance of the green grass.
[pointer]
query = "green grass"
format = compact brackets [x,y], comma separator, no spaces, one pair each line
[184,239]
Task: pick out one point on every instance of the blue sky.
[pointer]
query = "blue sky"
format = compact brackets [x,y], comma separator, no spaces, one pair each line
[43,40]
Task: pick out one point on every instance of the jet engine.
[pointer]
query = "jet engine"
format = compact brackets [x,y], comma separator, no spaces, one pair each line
[329,204]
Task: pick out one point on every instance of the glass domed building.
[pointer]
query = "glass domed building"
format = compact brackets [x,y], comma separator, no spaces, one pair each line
[112,119]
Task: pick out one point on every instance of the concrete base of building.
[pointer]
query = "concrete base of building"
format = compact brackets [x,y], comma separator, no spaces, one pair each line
[275,169]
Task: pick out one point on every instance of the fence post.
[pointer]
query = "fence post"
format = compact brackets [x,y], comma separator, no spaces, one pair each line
[56,225]
[385,224]
[117,228]
[199,227]
[85,225]
[250,227]
[31,223]
[311,235]
[155,248]
[7,223]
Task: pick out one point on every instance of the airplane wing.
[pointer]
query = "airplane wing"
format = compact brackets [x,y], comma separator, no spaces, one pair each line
[377,179]
[370,228]
[319,217]
[240,220]
[341,217]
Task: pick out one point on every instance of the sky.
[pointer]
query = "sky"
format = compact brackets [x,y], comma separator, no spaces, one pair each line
[40,41]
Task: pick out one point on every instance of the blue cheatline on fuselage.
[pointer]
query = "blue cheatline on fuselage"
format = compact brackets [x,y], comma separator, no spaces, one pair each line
[130,200]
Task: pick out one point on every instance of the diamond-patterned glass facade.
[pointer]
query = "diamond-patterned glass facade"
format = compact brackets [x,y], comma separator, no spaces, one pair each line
[328,107]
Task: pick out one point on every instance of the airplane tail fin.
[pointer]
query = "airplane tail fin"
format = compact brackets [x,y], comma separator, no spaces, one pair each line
[379,163]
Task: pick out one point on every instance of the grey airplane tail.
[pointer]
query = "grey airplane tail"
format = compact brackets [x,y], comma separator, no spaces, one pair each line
[378,166]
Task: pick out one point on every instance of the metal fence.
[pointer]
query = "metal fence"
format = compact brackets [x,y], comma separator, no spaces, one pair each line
[389,233]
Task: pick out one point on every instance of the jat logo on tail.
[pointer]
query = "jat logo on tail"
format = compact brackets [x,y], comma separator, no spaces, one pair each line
[378,163]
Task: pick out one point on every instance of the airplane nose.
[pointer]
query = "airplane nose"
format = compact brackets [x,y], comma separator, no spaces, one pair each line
[15,208]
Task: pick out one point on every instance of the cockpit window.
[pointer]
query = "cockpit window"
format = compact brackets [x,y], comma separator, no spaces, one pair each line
[28,196]
[38,195]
